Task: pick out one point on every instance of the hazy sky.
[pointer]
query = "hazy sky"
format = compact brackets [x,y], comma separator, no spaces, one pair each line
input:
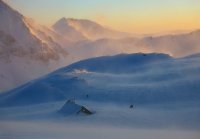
[139,16]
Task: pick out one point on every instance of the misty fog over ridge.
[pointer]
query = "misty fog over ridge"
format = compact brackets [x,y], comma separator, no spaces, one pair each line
[80,79]
[26,45]
[164,91]
[146,72]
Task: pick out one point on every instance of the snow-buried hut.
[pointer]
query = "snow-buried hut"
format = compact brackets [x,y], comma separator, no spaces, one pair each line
[70,108]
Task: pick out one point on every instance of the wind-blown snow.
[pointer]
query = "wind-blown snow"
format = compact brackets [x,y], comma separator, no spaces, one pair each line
[142,77]
[164,92]
[27,50]
[175,45]
[81,29]
[69,41]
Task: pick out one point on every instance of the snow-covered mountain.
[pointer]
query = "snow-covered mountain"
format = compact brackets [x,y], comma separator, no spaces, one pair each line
[27,50]
[139,78]
[140,95]
[175,45]
[26,45]
[82,29]
[92,39]
[152,94]
[69,32]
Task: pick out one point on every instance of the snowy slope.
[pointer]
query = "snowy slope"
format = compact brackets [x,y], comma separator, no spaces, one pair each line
[82,29]
[138,78]
[164,92]
[37,47]
[27,50]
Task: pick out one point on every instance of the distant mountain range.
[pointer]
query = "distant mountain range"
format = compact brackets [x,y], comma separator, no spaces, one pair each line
[29,50]
[175,45]
[82,29]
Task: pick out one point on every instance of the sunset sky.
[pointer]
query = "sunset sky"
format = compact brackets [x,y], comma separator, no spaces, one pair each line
[137,16]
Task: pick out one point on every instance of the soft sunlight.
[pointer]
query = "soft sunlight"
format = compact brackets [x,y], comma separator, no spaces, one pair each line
[99,69]
[136,16]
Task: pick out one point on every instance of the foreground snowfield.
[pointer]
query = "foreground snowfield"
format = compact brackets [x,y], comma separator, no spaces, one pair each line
[52,130]
[164,91]
[110,122]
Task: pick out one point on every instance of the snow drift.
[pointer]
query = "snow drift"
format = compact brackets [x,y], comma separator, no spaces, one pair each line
[135,78]
[164,92]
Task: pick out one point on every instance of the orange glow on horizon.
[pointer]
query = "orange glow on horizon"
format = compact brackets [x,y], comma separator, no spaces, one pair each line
[134,16]
[159,24]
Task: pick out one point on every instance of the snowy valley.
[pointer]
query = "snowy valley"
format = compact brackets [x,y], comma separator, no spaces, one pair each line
[79,79]
[164,92]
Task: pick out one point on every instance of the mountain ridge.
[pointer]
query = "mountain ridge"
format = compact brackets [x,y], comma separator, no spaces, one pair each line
[87,29]
[140,78]
[24,46]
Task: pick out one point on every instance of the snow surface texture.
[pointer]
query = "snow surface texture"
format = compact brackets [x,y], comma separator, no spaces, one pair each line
[142,77]
[40,50]
[164,92]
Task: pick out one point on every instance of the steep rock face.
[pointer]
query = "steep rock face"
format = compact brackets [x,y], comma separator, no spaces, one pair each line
[26,36]
[52,40]
[27,50]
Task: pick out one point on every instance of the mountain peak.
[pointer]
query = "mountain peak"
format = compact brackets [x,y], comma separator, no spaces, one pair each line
[63,19]
[63,28]
[86,28]
[74,20]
